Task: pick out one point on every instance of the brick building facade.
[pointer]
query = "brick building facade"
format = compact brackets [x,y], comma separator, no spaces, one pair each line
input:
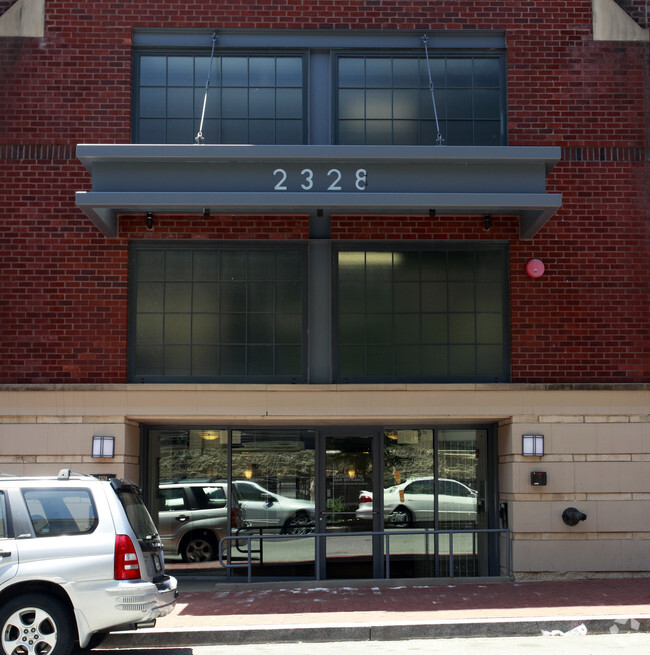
[568,354]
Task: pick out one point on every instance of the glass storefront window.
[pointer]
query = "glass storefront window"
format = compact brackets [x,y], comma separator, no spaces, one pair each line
[329,502]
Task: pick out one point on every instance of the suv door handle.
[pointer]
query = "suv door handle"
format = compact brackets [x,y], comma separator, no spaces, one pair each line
[182,518]
[5,553]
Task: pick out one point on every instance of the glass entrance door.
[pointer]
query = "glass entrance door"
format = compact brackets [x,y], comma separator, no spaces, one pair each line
[351,470]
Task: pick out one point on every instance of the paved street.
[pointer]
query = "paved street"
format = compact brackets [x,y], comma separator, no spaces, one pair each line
[557,645]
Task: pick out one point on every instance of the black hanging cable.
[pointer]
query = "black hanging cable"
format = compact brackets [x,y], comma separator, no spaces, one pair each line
[439,139]
[199,135]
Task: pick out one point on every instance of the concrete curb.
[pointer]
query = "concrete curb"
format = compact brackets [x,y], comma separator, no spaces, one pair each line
[240,635]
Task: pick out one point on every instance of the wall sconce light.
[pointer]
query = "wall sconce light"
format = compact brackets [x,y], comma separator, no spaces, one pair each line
[532,445]
[248,472]
[206,212]
[352,473]
[149,220]
[487,222]
[103,447]
[432,213]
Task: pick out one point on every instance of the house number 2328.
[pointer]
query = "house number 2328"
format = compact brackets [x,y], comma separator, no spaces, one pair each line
[334,179]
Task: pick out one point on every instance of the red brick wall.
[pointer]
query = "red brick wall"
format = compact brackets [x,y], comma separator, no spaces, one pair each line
[63,297]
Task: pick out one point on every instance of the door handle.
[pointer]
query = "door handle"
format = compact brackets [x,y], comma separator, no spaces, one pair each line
[182,519]
[5,553]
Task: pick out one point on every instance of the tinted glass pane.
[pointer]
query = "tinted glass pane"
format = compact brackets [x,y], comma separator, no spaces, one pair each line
[489,360]
[234,71]
[486,72]
[487,103]
[489,328]
[352,360]
[406,133]
[180,131]
[180,71]
[233,131]
[435,360]
[351,297]
[379,103]
[151,131]
[177,360]
[288,297]
[462,360]
[177,328]
[234,103]
[407,360]
[287,360]
[149,328]
[460,133]
[205,328]
[232,360]
[351,72]
[352,132]
[434,328]
[379,73]
[206,265]
[233,297]
[289,71]
[289,132]
[260,296]
[262,71]
[261,131]
[380,360]
[405,103]
[406,72]
[178,265]
[379,329]
[233,265]
[459,72]
[260,360]
[489,297]
[459,104]
[434,297]
[351,103]
[148,360]
[232,328]
[487,133]
[379,296]
[462,328]
[153,71]
[205,360]
[152,102]
[407,297]
[180,102]
[261,103]
[461,297]
[288,103]
[352,329]
[379,132]
[178,296]
[260,328]
[288,328]
[150,265]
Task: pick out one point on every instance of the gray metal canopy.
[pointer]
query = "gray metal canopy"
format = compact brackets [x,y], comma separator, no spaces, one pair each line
[318,179]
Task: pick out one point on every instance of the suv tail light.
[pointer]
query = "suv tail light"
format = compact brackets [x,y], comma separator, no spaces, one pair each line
[126,559]
[364,498]
[235,517]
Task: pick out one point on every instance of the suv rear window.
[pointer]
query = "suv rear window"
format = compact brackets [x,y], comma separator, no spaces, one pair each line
[61,511]
[137,513]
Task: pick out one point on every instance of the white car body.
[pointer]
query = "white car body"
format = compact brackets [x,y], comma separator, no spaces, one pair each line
[82,556]
[411,503]
[264,509]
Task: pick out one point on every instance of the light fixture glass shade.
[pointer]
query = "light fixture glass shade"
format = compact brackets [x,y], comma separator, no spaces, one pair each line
[532,445]
[103,446]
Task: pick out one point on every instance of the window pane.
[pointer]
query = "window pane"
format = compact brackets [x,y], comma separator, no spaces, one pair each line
[153,71]
[180,71]
[262,71]
[234,71]
[351,72]
[289,71]
[152,102]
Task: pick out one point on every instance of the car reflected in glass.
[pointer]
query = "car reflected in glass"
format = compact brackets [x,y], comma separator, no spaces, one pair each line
[412,504]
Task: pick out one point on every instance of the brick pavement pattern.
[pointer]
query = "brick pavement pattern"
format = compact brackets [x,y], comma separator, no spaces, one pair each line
[262,604]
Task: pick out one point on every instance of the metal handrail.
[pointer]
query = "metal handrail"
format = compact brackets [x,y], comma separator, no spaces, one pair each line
[383,534]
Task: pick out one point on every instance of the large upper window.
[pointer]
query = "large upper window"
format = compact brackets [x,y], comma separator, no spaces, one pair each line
[217,312]
[251,99]
[345,88]
[387,100]
[413,314]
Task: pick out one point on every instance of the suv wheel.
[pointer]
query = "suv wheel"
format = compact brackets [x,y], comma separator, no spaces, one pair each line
[199,548]
[299,523]
[36,624]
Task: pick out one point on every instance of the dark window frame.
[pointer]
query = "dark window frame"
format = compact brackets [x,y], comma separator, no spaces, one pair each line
[222,246]
[320,50]
[503,376]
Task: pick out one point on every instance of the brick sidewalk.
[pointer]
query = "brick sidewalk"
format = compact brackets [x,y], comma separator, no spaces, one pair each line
[263,604]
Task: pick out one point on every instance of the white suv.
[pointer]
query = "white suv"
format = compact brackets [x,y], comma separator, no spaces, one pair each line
[79,558]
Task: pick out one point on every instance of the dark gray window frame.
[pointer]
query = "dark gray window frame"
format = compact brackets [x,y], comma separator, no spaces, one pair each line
[420,246]
[142,245]
[322,48]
